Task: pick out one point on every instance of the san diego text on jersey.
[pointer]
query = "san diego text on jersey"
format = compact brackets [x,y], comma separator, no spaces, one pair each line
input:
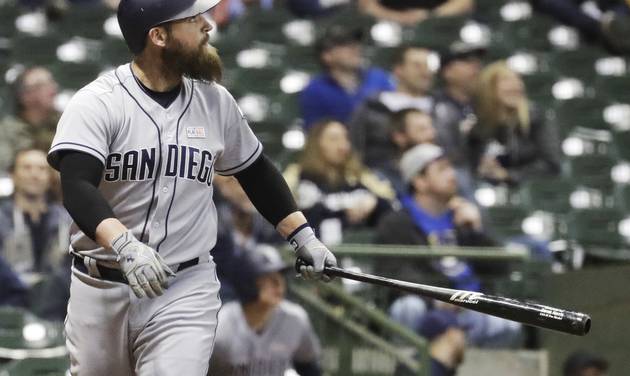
[183,161]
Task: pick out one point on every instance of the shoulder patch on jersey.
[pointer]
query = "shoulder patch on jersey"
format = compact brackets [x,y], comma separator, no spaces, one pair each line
[196,132]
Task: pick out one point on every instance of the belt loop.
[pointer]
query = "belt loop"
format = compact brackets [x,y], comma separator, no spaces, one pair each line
[90,264]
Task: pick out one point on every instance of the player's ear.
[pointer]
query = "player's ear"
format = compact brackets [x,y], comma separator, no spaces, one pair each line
[158,36]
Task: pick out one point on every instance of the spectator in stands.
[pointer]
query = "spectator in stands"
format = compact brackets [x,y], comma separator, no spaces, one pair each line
[12,291]
[333,189]
[35,118]
[408,128]
[262,333]
[454,115]
[369,127]
[33,231]
[608,22]
[511,140]
[413,12]
[345,83]
[582,363]
[447,341]
[433,214]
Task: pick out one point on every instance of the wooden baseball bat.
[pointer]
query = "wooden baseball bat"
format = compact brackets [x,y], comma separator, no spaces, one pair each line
[524,312]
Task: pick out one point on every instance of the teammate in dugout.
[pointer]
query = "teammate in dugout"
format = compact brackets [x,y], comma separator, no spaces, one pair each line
[136,149]
[262,334]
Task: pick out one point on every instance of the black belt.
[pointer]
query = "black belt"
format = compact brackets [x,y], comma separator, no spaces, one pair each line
[115,275]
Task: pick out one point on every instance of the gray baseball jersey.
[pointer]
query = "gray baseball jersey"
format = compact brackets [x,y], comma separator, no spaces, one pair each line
[239,351]
[158,168]
[159,162]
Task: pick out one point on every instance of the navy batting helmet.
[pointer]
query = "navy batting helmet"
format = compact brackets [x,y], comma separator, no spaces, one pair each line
[137,17]
[251,264]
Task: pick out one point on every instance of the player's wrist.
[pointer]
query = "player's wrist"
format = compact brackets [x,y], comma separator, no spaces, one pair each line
[119,243]
[301,235]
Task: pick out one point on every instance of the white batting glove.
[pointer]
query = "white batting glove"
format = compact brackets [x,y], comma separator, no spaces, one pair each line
[145,269]
[312,255]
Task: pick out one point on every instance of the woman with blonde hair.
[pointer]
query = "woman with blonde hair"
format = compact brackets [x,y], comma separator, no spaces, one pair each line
[333,189]
[511,141]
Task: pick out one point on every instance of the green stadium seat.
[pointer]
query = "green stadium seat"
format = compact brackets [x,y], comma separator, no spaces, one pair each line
[11,324]
[538,86]
[75,75]
[597,228]
[115,52]
[580,112]
[551,194]
[592,171]
[84,20]
[31,50]
[8,14]
[622,145]
[577,63]
[614,88]
[506,221]
[623,196]
[265,24]
[529,34]
[57,366]
[435,33]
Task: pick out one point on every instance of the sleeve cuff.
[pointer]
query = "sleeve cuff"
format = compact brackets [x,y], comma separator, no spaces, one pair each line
[243,165]
[53,154]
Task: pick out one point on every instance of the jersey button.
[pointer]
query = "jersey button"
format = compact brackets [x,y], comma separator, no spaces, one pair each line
[165,189]
[156,224]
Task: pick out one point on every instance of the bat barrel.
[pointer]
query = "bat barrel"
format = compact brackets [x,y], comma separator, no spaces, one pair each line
[539,315]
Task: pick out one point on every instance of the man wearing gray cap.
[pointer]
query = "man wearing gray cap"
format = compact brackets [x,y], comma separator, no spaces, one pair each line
[432,213]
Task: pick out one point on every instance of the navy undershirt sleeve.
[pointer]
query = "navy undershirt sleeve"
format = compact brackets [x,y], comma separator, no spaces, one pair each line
[267,190]
[80,176]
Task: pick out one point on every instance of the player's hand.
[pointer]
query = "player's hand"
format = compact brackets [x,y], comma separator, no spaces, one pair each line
[311,259]
[145,269]
[312,255]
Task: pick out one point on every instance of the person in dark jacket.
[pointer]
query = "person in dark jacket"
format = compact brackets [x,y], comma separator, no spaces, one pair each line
[511,141]
[433,214]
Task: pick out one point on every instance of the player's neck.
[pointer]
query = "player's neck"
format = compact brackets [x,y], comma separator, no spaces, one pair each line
[257,315]
[155,75]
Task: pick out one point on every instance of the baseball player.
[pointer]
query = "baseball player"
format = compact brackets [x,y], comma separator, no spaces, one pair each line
[137,149]
[262,334]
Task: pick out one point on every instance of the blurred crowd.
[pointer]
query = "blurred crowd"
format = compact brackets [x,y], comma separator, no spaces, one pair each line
[396,152]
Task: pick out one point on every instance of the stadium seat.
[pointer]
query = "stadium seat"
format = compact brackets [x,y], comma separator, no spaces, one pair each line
[614,88]
[592,171]
[528,34]
[8,14]
[506,221]
[596,228]
[75,75]
[31,50]
[57,366]
[435,33]
[84,20]
[550,194]
[265,24]
[582,112]
[114,52]
[622,145]
[578,63]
